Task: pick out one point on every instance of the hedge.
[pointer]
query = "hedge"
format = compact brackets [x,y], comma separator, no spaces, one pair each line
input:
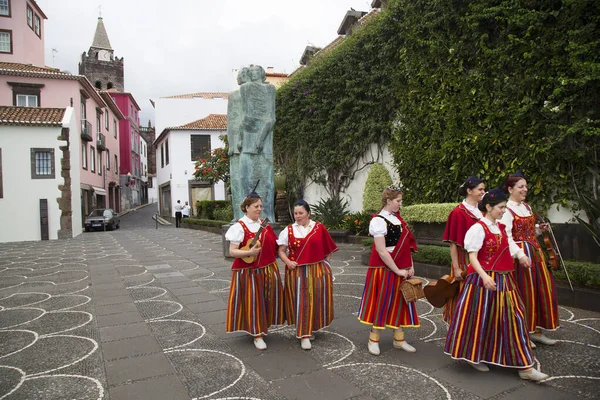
[432,212]
[206,208]
[205,222]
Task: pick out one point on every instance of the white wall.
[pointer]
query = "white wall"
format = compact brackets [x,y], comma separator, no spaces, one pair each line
[176,112]
[70,121]
[181,168]
[20,206]
[354,194]
[153,191]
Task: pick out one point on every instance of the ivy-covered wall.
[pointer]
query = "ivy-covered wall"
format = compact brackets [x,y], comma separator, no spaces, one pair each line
[453,86]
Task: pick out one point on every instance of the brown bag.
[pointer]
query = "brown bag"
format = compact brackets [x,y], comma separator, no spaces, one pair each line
[412,289]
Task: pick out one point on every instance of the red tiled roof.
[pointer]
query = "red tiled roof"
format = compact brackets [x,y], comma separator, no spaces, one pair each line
[213,122]
[31,116]
[201,95]
[277,74]
[34,70]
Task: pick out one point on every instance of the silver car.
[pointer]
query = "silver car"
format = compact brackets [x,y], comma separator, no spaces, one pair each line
[102,219]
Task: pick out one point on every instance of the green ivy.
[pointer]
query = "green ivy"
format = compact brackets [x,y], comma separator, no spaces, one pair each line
[452,86]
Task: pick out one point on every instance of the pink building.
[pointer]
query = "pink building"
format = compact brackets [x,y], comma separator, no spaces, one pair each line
[21,32]
[26,82]
[130,148]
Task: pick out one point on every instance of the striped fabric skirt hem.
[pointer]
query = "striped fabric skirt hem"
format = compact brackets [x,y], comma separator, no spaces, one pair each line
[309,297]
[538,290]
[382,304]
[489,326]
[450,305]
[255,300]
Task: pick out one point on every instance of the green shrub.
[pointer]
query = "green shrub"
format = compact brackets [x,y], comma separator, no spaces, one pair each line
[358,223]
[582,273]
[223,213]
[367,242]
[433,212]
[331,212]
[378,179]
[205,222]
[437,255]
[206,208]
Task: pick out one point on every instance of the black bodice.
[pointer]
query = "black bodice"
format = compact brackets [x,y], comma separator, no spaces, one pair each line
[393,232]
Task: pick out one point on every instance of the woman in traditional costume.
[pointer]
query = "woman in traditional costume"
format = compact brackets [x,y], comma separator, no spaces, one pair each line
[459,221]
[382,303]
[306,247]
[536,284]
[256,292]
[488,324]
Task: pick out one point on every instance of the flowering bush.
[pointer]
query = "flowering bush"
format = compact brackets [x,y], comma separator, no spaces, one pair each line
[358,223]
[215,167]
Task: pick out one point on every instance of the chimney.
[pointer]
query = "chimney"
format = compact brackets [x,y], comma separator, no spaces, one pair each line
[269,69]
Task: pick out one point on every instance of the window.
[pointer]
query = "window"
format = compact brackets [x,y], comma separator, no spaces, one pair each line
[162,156]
[107,159]
[133,165]
[26,94]
[42,163]
[83,110]
[116,165]
[27,100]
[92,159]
[5,8]
[5,41]
[115,127]
[99,163]
[30,17]
[84,155]
[106,120]
[1,187]
[37,25]
[98,123]
[167,151]
[200,146]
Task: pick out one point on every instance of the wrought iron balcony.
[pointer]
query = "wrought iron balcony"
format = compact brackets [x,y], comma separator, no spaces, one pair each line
[101,142]
[86,131]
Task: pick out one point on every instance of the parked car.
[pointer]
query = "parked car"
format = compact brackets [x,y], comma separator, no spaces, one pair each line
[101,217]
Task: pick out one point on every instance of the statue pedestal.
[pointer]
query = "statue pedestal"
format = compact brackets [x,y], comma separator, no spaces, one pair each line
[276,227]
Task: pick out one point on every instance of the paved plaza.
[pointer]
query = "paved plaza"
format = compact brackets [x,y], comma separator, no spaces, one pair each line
[139,313]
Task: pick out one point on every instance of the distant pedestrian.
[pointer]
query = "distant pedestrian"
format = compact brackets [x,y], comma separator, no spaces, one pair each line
[256,293]
[306,247]
[186,210]
[383,304]
[178,213]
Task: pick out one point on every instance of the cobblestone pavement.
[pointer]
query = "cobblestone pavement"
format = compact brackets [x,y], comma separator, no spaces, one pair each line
[139,313]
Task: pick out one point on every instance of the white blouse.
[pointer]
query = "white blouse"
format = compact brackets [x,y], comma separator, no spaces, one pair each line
[298,230]
[521,210]
[475,236]
[473,209]
[235,233]
[378,227]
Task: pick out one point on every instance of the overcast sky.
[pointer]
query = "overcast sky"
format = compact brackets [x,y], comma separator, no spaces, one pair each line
[184,46]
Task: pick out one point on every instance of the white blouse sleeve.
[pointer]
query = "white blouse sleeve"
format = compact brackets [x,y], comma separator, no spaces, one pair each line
[282,240]
[235,233]
[474,238]
[377,227]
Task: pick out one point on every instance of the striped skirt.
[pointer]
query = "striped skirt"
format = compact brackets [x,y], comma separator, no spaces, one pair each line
[538,290]
[255,300]
[450,306]
[490,326]
[382,304]
[309,297]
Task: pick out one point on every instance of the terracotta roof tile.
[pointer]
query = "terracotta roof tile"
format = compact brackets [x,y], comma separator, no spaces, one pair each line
[31,116]
[31,68]
[200,95]
[211,122]
[277,74]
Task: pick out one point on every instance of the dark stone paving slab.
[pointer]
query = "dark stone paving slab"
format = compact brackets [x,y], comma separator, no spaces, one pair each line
[60,299]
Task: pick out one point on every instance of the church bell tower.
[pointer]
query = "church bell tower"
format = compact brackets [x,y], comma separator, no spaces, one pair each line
[99,64]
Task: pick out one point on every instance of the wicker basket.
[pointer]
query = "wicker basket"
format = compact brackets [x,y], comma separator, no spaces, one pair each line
[412,289]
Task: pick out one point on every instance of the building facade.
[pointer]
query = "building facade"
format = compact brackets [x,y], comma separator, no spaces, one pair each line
[21,32]
[177,149]
[39,187]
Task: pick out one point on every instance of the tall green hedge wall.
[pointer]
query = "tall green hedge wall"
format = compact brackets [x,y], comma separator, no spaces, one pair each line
[453,87]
